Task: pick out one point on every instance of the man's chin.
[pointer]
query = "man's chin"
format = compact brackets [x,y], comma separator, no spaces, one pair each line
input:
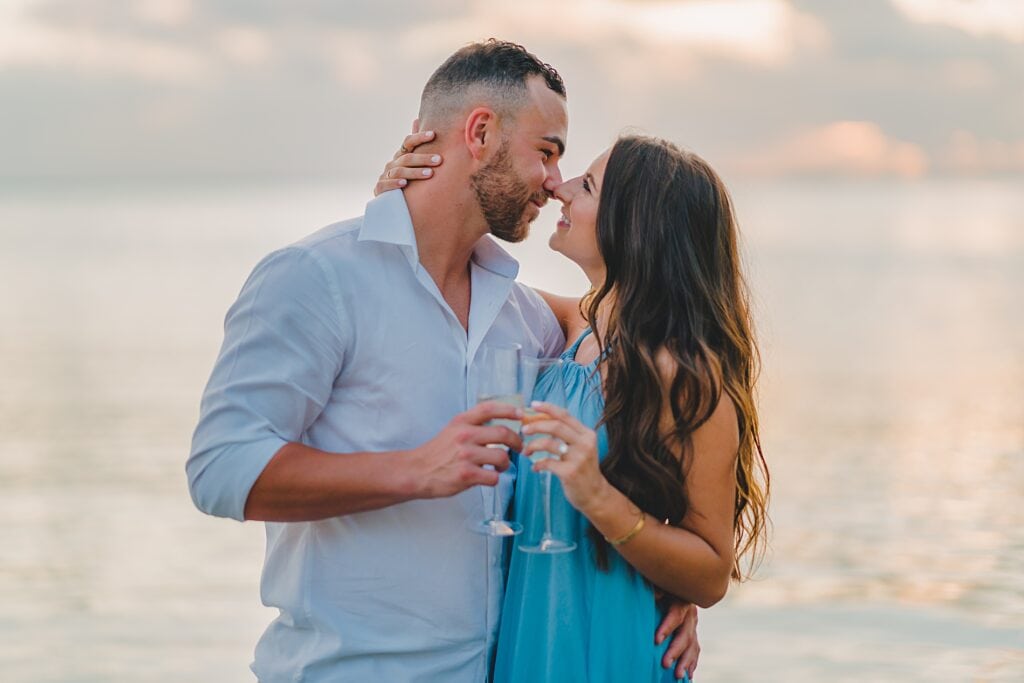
[514,238]
[523,231]
[516,234]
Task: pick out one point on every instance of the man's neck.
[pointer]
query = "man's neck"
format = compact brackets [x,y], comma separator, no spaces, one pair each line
[448,224]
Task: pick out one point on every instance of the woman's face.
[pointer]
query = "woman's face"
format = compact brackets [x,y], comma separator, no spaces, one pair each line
[576,232]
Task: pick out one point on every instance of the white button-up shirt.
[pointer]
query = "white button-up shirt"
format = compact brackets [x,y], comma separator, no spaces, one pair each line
[343,341]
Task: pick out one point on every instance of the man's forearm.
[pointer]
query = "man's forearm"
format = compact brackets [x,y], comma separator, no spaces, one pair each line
[302,484]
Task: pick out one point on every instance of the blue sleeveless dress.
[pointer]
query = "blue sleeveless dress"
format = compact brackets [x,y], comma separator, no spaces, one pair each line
[564,620]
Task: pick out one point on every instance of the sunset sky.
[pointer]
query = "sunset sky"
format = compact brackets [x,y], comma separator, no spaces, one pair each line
[179,89]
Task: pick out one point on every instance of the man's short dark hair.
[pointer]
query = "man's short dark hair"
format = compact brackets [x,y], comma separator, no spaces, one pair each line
[497,66]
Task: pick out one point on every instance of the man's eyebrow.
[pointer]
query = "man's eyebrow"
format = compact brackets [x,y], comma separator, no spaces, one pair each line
[557,141]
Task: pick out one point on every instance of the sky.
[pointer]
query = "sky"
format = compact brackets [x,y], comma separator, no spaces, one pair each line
[220,89]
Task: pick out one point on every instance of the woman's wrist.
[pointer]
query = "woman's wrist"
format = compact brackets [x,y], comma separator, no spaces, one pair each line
[595,504]
[638,526]
[611,512]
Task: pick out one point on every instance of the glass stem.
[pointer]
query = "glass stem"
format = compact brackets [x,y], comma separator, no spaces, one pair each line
[546,476]
[495,507]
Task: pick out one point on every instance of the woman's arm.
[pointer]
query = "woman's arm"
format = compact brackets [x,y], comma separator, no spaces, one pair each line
[694,560]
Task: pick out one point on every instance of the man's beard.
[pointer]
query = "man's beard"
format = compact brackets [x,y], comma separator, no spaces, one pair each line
[503,197]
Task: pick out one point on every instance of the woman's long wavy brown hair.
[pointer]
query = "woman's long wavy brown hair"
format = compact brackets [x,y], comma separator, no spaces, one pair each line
[668,236]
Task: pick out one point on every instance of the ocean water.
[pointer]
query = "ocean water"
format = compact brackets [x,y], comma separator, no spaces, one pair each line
[891,319]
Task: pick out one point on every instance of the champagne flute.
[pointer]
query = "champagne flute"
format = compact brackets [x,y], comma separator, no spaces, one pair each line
[543,381]
[500,380]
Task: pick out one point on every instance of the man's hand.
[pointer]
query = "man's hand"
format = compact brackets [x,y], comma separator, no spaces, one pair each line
[302,484]
[683,651]
[454,459]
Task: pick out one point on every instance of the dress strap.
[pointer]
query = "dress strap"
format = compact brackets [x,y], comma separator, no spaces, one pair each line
[570,353]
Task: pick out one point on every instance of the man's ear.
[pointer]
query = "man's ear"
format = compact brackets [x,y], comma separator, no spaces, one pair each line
[481,132]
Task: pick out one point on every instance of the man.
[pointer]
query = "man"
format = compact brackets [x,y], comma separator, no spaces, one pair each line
[329,412]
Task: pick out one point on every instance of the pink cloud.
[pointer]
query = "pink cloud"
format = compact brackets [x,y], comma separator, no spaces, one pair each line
[857,148]
[966,153]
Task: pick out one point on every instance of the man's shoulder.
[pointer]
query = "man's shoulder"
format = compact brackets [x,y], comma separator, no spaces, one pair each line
[323,254]
[527,294]
[338,248]
[533,305]
[340,235]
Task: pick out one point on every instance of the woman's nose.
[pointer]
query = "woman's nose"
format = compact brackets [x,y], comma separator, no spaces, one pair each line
[567,190]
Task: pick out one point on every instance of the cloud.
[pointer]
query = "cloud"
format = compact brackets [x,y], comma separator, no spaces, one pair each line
[245,45]
[857,148]
[354,61]
[169,13]
[967,154]
[96,34]
[982,18]
[969,74]
[319,87]
[761,32]
[29,42]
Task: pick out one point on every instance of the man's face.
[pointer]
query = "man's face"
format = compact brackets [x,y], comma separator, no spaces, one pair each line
[516,182]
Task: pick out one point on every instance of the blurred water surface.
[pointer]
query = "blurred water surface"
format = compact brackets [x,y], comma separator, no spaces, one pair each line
[892,325]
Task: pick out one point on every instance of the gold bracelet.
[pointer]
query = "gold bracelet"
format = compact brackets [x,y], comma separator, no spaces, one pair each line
[630,534]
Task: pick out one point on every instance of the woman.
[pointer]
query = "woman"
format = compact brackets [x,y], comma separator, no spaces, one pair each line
[661,469]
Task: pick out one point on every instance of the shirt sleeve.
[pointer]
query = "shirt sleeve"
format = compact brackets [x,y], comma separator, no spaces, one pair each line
[283,348]
[551,335]
[549,330]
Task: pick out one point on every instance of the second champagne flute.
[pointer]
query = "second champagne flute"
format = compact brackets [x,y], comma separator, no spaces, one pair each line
[500,380]
[543,381]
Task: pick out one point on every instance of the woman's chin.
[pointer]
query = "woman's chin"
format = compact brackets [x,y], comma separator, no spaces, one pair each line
[555,242]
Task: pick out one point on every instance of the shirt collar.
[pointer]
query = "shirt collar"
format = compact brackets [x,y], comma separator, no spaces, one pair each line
[387,220]
[489,255]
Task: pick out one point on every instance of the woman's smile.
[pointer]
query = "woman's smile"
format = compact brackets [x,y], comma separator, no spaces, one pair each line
[564,222]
